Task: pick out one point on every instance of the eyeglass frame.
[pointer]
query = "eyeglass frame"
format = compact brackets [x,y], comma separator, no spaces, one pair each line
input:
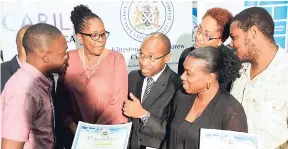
[151,55]
[99,35]
[209,38]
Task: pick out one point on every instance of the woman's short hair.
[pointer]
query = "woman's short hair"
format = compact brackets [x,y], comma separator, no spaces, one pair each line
[223,18]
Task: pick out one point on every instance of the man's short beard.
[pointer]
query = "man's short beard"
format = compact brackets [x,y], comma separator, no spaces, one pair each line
[252,55]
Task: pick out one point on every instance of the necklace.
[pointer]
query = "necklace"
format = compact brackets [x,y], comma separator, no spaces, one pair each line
[84,61]
[94,68]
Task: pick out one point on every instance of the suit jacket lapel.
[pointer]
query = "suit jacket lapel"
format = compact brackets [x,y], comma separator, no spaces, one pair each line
[14,64]
[137,93]
[158,88]
[138,89]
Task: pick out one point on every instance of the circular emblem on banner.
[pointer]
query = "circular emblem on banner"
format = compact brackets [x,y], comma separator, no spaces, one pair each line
[141,18]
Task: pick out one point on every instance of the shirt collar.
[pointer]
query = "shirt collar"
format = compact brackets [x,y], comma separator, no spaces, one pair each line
[273,63]
[155,77]
[36,74]
[18,60]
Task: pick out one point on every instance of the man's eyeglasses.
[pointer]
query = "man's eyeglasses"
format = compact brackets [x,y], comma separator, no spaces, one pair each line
[206,37]
[151,58]
[96,36]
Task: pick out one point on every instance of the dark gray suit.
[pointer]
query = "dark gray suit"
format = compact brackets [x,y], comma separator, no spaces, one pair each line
[157,103]
[7,70]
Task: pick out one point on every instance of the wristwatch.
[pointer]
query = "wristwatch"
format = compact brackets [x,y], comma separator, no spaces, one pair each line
[144,118]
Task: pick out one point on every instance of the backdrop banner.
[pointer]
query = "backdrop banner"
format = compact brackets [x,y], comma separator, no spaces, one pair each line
[128,22]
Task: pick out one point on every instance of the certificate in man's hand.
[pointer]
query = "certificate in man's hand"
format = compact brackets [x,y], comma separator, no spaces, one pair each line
[223,139]
[94,136]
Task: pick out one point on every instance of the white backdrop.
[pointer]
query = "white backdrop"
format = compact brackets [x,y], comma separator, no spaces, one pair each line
[174,18]
[120,19]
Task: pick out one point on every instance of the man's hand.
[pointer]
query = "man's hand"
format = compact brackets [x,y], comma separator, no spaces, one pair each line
[133,108]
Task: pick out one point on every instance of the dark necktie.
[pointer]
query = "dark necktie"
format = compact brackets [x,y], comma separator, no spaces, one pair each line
[150,83]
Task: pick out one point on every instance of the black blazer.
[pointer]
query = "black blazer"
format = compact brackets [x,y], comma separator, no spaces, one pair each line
[7,70]
[157,103]
[223,112]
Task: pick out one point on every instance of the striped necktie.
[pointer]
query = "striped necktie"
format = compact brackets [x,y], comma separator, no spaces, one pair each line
[150,83]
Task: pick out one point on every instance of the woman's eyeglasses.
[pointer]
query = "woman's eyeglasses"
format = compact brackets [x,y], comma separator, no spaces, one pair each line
[206,37]
[96,36]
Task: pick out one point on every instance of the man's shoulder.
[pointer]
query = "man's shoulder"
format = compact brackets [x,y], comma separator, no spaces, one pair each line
[280,65]
[5,65]
[9,67]
[283,56]
[21,77]
[175,79]
[134,73]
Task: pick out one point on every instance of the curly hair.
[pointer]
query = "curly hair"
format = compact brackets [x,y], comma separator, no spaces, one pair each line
[222,61]
[223,18]
[80,15]
[259,17]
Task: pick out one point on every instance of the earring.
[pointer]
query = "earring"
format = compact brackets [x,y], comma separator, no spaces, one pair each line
[208,86]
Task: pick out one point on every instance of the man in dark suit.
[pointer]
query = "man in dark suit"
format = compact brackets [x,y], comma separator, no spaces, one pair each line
[151,90]
[10,67]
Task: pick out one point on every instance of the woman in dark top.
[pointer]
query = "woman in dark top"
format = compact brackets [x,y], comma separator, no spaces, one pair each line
[202,103]
[213,31]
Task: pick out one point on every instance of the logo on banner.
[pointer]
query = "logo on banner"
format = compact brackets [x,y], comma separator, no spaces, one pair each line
[141,18]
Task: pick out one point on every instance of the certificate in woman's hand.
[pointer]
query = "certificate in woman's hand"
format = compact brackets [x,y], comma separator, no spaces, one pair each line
[94,136]
[223,139]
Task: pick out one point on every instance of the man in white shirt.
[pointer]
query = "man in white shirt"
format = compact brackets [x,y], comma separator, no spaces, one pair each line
[263,85]
[151,91]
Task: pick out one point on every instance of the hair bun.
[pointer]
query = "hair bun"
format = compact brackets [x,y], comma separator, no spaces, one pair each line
[232,64]
[78,12]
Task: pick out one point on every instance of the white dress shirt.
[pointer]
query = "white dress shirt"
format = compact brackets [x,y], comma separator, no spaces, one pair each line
[155,78]
[265,100]
[18,60]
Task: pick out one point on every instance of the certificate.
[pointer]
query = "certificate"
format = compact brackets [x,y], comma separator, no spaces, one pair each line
[94,136]
[223,139]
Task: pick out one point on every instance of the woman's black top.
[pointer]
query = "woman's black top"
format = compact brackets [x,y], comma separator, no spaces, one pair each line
[223,112]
